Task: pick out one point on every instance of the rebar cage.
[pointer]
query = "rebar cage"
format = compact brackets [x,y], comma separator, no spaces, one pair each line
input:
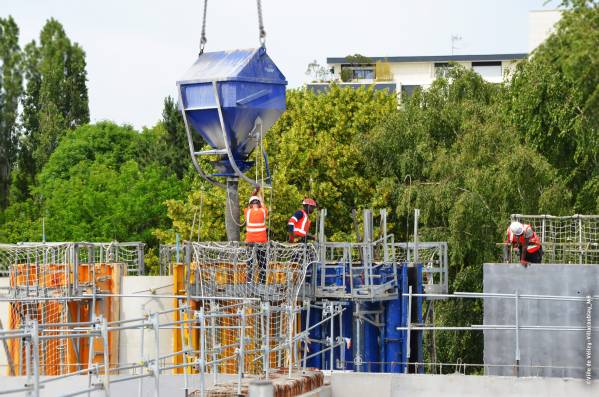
[246,294]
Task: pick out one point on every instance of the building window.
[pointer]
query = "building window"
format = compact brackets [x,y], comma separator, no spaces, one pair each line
[409,89]
[442,69]
[357,73]
[363,74]
[490,71]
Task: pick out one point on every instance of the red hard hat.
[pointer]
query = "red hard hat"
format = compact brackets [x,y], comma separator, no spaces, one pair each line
[309,201]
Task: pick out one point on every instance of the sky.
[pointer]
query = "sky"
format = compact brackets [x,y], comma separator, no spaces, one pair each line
[137,49]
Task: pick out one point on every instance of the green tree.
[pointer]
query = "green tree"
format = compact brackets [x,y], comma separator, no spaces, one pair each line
[55,100]
[450,153]
[21,221]
[314,150]
[317,72]
[554,101]
[11,87]
[172,130]
[97,186]
[358,59]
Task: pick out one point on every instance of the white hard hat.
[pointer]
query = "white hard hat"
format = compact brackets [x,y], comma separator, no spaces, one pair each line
[516,228]
[254,198]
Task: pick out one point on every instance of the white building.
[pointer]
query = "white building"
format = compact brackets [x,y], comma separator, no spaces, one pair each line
[403,74]
[406,73]
[541,24]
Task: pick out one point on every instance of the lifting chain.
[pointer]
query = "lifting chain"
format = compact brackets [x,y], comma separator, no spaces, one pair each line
[261,31]
[261,24]
[203,39]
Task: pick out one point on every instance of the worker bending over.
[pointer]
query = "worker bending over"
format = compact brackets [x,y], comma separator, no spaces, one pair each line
[256,234]
[526,242]
[298,226]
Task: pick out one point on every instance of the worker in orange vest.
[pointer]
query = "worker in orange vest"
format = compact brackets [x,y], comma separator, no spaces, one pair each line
[256,234]
[255,219]
[525,241]
[298,226]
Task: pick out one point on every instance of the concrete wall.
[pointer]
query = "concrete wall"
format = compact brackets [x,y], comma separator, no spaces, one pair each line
[413,73]
[550,349]
[508,68]
[399,385]
[352,385]
[170,385]
[130,340]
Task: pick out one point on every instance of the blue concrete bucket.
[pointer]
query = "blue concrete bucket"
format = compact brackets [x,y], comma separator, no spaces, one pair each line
[231,99]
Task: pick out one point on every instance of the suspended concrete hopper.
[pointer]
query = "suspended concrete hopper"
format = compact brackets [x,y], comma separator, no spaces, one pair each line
[231,99]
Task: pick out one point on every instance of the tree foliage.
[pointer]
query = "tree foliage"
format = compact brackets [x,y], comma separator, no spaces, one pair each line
[357,59]
[450,153]
[175,149]
[11,86]
[55,100]
[98,185]
[553,101]
[317,72]
[314,150]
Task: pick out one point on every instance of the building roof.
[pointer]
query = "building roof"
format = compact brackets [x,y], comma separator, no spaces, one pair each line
[438,58]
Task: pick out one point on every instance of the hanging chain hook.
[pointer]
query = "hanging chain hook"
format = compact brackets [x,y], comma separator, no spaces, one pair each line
[203,39]
[261,24]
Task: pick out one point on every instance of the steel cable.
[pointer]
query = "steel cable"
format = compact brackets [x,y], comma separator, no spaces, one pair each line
[203,39]
[261,30]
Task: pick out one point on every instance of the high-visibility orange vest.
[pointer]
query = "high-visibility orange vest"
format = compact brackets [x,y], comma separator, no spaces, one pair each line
[534,242]
[301,226]
[255,225]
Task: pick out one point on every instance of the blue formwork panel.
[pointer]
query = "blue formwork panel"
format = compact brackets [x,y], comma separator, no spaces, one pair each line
[393,339]
[385,344]
[383,274]
[342,355]
[333,276]
[370,341]
[418,300]
[314,334]
[396,312]
[247,85]
[346,333]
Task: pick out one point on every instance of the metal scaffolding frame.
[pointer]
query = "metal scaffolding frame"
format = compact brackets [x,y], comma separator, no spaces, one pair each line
[129,253]
[227,320]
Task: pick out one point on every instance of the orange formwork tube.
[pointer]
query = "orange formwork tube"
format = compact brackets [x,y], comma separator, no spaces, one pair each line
[64,355]
[179,289]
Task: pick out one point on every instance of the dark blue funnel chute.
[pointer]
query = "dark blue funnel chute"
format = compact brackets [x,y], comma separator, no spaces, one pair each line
[231,99]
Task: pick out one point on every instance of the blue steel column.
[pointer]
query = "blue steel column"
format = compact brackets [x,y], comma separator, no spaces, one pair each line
[393,337]
[418,308]
[371,355]
[346,333]
[316,333]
